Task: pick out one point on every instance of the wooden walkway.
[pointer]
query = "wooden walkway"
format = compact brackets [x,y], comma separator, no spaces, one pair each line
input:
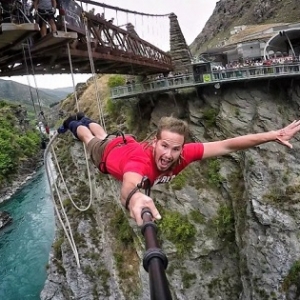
[216,78]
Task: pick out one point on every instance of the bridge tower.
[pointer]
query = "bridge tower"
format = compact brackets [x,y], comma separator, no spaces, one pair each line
[179,50]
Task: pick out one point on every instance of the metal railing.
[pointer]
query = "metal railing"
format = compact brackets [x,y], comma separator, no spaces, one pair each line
[218,76]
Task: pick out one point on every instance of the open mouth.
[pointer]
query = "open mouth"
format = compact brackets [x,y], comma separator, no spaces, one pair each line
[165,162]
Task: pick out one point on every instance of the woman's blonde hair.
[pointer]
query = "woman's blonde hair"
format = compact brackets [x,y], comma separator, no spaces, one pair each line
[173,125]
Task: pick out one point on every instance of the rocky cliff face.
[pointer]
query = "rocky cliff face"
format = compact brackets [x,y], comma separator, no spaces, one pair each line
[230,13]
[230,226]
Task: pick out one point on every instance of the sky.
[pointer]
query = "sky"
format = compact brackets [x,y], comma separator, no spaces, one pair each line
[192,16]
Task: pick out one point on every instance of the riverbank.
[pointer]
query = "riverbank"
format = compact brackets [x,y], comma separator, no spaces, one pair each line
[7,192]
[26,173]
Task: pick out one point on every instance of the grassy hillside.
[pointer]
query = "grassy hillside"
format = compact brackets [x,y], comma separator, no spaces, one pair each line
[21,93]
[60,93]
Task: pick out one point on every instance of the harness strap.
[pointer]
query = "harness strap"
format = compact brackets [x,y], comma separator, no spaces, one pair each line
[130,196]
[117,133]
[102,166]
[145,183]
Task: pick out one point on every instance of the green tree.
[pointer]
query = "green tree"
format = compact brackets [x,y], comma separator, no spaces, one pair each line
[116,80]
[16,144]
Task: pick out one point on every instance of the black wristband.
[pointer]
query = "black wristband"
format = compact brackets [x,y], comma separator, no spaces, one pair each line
[130,196]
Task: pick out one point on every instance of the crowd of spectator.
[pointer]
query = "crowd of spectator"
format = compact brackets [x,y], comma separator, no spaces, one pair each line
[235,69]
[256,67]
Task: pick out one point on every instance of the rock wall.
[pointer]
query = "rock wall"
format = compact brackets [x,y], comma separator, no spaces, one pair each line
[235,219]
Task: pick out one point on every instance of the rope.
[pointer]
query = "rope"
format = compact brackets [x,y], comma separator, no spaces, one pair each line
[85,151]
[67,190]
[34,79]
[68,231]
[31,96]
[100,109]
[122,9]
[28,81]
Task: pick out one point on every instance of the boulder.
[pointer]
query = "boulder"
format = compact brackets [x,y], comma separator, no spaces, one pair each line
[5,219]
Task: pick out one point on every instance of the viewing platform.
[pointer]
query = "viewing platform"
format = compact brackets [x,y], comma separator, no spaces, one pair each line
[215,77]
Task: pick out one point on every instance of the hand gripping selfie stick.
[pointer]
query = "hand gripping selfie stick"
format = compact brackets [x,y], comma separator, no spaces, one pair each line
[155,261]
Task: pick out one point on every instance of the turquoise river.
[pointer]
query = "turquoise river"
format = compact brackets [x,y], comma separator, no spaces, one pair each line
[26,243]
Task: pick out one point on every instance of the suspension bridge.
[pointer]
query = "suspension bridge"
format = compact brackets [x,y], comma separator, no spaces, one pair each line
[86,35]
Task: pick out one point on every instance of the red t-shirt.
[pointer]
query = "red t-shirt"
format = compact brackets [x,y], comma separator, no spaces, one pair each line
[138,158]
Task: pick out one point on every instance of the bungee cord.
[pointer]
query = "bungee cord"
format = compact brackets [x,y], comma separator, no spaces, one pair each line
[68,229]
[28,81]
[97,93]
[40,115]
[94,76]
[58,204]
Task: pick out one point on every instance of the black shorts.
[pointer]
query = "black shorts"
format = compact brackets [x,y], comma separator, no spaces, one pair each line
[44,15]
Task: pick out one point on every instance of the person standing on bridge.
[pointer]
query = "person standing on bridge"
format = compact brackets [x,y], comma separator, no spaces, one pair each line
[161,159]
[45,10]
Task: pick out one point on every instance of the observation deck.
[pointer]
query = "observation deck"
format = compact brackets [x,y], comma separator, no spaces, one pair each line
[213,78]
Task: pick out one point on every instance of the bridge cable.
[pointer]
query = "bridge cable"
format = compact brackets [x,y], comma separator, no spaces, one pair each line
[122,9]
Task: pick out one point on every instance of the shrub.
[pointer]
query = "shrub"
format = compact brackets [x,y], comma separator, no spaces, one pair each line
[197,217]
[179,181]
[224,223]
[122,229]
[214,177]
[114,107]
[177,228]
[210,116]
[293,278]
[188,279]
[116,80]
[57,248]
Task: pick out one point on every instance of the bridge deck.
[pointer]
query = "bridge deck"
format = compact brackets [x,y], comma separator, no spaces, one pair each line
[188,80]
[11,35]
[53,40]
